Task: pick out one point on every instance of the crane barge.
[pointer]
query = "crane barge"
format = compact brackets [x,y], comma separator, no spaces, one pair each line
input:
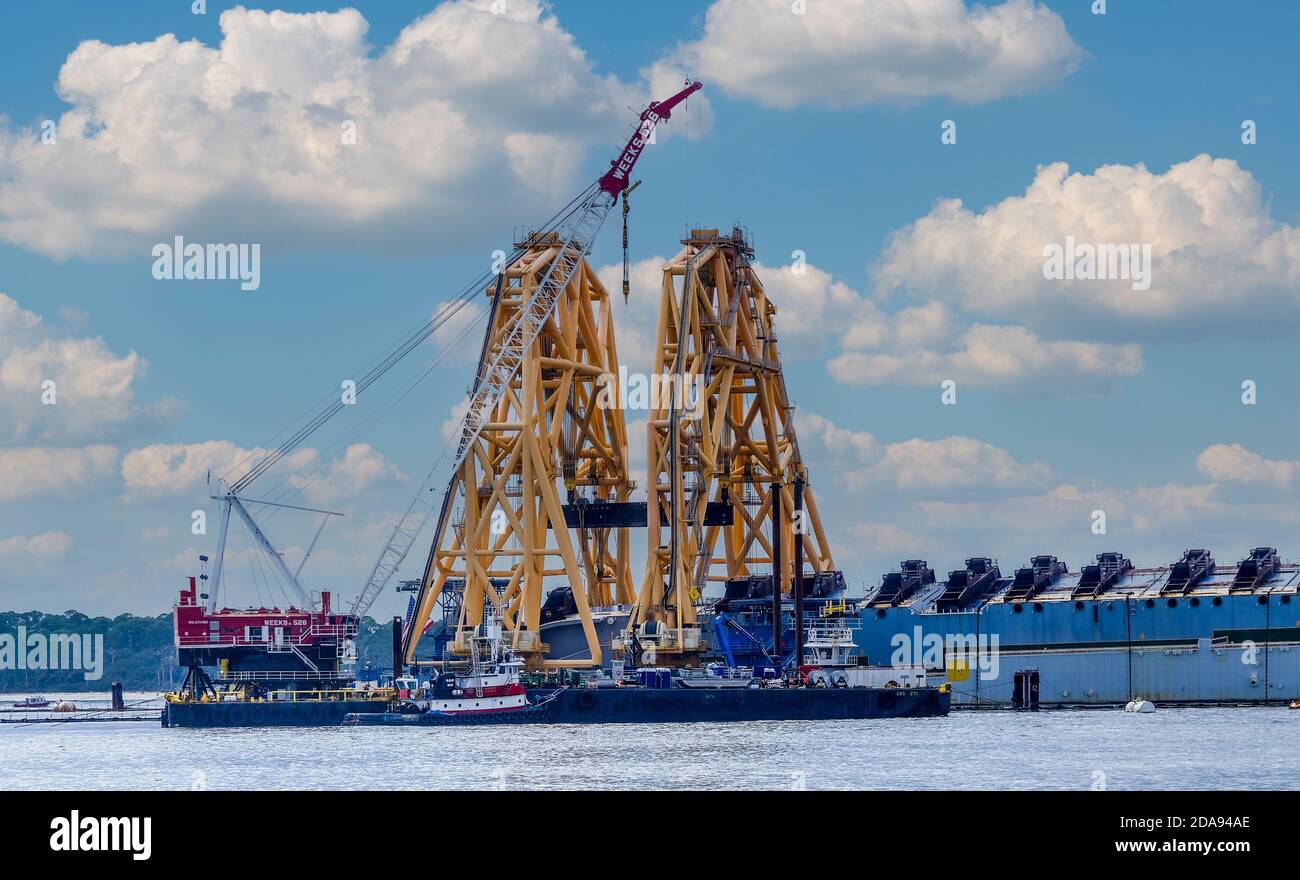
[290,665]
[537,488]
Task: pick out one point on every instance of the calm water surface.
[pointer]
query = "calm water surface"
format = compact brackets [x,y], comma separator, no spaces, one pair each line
[1229,748]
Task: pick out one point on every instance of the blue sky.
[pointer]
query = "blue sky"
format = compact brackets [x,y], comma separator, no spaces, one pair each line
[819,134]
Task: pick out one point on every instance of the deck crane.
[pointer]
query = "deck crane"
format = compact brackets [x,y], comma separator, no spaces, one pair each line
[574,231]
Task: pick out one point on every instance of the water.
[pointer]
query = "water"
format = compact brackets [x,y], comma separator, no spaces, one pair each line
[1227,748]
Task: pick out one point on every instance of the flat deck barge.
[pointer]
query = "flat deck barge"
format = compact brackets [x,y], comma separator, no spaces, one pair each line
[634,705]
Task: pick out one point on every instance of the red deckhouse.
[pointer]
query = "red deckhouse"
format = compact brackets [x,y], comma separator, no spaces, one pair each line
[271,643]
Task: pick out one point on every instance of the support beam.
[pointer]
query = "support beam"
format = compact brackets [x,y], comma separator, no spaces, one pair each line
[777,572]
[798,570]
[219,558]
[717,333]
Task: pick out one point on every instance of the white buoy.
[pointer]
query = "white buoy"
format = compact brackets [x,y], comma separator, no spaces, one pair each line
[1143,706]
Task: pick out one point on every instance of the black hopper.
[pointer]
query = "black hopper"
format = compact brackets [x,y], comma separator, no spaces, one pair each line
[899,586]
[1187,572]
[1254,570]
[1106,573]
[1043,571]
[969,585]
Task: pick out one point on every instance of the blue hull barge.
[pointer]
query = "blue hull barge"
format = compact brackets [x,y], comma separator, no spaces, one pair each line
[683,705]
[1192,632]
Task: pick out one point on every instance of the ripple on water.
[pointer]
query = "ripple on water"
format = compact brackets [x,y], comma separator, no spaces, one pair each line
[1228,748]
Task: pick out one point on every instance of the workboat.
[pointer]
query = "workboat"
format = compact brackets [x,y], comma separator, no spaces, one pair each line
[32,703]
[715,675]
[831,660]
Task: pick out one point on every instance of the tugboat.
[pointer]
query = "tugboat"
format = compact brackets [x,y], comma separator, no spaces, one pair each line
[488,681]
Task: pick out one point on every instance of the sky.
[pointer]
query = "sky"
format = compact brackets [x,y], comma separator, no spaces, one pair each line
[903,169]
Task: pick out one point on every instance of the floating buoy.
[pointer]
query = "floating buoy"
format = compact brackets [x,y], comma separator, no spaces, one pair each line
[1143,706]
[64,706]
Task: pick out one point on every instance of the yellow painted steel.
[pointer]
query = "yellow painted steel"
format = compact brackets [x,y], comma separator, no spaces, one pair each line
[546,441]
[732,440]
[718,408]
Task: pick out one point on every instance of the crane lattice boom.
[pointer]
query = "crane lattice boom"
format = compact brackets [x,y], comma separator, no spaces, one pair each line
[501,359]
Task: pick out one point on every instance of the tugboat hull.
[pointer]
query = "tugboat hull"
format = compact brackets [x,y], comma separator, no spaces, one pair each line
[692,705]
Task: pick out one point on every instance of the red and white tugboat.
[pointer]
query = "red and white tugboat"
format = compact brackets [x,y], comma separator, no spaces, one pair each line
[488,681]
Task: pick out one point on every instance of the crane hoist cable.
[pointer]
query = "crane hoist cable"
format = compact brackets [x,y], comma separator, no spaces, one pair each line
[295,483]
[331,404]
[627,287]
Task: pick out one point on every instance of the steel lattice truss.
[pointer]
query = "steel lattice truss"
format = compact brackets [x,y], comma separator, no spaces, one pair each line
[716,333]
[543,443]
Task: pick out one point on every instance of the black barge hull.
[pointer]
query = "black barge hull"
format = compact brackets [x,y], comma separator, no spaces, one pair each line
[690,705]
[298,713]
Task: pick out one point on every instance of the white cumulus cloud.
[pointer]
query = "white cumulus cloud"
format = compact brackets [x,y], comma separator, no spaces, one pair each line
[360,469]
[93,392]
[985,355]
[1216,251]
[1234,463]
[1068,508]
[475,103]
[953,463]
[28,472]
[914,465]
[914,345]
[176,468]
[852,53]
[838,441]
[165,468]
[43,547]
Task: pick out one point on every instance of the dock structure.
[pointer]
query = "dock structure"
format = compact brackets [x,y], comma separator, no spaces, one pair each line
[151,712]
